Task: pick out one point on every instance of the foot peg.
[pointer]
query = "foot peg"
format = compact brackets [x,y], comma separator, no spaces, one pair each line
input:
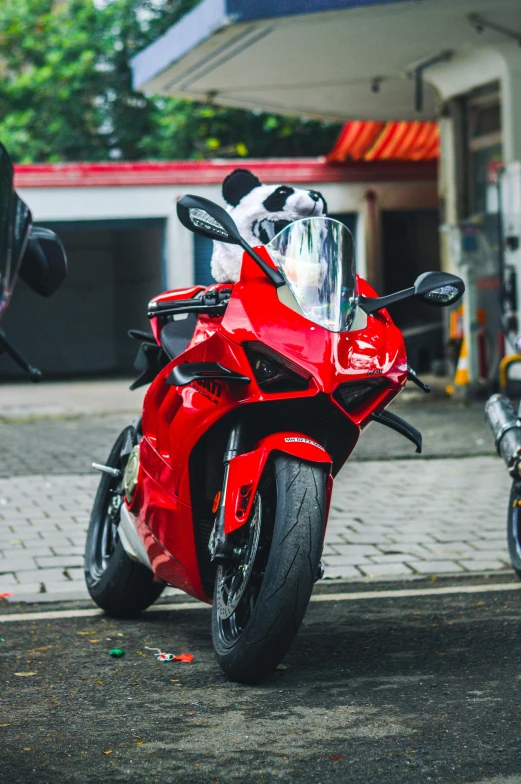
[114,472]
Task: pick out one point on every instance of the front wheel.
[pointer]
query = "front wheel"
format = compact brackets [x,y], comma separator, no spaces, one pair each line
[261,597]
[514,527]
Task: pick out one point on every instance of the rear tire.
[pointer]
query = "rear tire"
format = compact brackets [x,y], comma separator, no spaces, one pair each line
[255,638]
[120,586]
[514,527]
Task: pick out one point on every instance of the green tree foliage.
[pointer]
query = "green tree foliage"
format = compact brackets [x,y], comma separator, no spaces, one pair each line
[66,91]
[49,81]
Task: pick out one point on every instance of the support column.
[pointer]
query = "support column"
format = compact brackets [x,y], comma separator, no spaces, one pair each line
[373,241]
[511,108]
[448,191]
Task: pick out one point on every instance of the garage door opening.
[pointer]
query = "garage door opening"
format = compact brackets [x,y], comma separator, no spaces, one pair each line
[115,267]
[410,247]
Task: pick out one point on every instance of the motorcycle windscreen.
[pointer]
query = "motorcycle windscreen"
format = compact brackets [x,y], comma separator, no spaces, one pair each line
[15,224]
[316,257]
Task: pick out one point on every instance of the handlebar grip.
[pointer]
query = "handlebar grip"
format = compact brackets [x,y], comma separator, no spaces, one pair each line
[161,307]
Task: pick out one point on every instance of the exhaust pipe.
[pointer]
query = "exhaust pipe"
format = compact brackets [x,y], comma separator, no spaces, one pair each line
[506,428]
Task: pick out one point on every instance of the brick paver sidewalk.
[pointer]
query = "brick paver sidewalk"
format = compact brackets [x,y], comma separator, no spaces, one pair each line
[392,519]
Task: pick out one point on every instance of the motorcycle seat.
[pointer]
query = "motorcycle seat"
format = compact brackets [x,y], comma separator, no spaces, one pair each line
[177,334]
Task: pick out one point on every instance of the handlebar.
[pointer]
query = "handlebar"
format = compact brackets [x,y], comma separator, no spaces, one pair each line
[212,303]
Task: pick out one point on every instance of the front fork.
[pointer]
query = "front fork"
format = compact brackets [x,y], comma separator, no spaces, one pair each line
[242,473]
[219,545]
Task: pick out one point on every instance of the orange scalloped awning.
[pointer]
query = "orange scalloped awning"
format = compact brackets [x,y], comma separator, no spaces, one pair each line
[387,141]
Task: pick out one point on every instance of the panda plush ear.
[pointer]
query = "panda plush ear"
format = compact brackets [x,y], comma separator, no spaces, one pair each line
[237,184]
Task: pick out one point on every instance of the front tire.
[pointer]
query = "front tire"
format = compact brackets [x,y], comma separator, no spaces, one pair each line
[254,624]
[514,527]
[120,586]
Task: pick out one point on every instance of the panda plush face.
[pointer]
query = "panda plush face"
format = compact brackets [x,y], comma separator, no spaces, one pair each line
[260,212]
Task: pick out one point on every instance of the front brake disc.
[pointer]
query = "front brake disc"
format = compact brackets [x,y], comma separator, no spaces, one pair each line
[232,579]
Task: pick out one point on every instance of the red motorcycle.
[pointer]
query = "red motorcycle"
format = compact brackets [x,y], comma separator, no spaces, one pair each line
[259,391]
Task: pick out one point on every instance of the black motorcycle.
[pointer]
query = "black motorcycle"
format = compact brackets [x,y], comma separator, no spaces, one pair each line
[33,253]
[505,424]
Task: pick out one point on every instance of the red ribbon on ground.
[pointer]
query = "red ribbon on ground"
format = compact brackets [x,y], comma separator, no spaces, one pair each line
[183,657]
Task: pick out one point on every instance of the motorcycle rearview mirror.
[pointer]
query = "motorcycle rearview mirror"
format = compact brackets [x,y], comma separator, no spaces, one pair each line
[206,218]
[44,264]
[432,288]
[438,288]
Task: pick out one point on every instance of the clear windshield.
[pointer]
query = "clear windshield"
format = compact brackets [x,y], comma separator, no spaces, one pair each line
[316,257]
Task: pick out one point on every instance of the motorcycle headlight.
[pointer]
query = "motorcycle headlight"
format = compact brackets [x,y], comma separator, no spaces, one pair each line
[274,373]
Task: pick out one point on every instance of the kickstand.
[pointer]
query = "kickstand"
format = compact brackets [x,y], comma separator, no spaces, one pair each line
[6,347]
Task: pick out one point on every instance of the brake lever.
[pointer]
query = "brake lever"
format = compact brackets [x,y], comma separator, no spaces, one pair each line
[212,303]
[413,376]
[216,296]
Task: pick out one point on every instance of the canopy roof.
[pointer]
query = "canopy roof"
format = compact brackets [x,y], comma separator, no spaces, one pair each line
[332,59]
[379,141]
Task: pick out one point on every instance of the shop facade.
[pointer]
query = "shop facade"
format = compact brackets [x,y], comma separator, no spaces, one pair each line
[125,244]
[458,63]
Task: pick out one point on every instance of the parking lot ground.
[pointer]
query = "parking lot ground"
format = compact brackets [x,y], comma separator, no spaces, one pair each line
[77,423]
[393,687]
[396,518]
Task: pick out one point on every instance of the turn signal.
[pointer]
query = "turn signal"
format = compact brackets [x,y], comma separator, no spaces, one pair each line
[216,502]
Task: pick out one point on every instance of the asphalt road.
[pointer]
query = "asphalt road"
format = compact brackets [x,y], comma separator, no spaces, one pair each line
[422,688]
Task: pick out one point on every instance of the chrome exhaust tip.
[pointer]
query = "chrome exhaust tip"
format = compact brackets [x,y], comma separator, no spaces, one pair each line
[506,429]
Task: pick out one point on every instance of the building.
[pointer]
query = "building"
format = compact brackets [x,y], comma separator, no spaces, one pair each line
[124,242]
[459,62]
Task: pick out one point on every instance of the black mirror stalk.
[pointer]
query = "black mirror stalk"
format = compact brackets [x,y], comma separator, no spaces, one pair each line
[373,304]
[274,275]
[204,217]
[432,288]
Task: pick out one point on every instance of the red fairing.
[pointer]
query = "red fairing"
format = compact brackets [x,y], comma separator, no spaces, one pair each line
[256,312]
[245,471]
[180,424]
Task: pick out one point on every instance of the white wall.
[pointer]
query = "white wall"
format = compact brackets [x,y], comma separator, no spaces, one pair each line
[121,202]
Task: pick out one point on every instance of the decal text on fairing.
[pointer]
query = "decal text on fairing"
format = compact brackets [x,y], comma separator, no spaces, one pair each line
[304,441]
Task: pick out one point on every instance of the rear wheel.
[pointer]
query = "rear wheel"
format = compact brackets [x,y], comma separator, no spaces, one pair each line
[261,597]
[120,586]
[514,527]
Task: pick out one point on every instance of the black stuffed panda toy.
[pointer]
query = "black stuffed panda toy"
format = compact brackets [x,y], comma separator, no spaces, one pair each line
[260,212]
